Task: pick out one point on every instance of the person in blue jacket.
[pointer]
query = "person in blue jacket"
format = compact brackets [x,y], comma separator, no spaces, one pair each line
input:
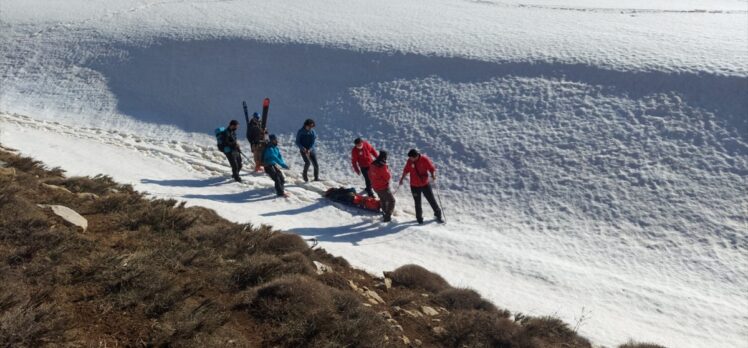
[273,161]
[306,138]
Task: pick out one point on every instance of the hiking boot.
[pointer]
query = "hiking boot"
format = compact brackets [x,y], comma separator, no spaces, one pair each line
[420,221]
[387,218]
[439,220]
[237,178]
[305,177]
[317,179]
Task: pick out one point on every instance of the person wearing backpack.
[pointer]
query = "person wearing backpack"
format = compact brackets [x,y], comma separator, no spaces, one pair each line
[256,138]
[306,139]
[362,155]
[228,144]
[419,167]
[380,176]
[273,161]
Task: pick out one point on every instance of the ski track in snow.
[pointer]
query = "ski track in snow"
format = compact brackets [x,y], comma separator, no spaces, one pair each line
[593,157]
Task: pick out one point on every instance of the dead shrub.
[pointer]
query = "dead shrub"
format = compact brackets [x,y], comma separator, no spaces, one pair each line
[334,280]
[304,312]
[357,325]
[177,327]
[262,268]
[8,191]
[475,328]
[230,240]
[99,184]
[403,298]
[116,202]
[162,302]
[160,216]
[281,243]
[297,306]
[417,277]
[24,223]
[322,255]
[551,331]
[465,299]
[25,164]
[32,324]
[20,255]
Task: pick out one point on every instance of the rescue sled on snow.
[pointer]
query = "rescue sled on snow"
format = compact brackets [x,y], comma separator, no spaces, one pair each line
[348,196]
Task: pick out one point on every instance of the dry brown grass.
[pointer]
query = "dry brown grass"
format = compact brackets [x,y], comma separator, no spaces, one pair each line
[465,299]
[475,328]
[305,313]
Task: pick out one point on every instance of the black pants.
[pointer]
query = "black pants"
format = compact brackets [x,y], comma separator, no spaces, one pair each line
[365,173]
[387,201]
[429,194]
[235,160]
[277,176]
[310,158]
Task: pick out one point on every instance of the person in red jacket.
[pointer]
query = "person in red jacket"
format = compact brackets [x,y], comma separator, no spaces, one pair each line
[420,167]
[362,155]
[380,177]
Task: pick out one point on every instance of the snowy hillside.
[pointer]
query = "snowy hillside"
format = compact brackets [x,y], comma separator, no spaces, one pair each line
[593,157]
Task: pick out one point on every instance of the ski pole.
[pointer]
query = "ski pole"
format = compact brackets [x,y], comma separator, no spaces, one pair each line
[245,157]
[439,198]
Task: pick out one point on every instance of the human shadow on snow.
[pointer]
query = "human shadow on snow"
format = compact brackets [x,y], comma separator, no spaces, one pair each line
[216,181]
[238,197]
[355,233]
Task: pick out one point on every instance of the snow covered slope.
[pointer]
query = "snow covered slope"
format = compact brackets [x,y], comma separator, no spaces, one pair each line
[593,157]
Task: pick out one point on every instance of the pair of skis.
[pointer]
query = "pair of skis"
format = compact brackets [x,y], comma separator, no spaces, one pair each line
[265,108]
[263,122]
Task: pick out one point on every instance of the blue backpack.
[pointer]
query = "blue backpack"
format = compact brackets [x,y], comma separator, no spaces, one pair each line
[220,136]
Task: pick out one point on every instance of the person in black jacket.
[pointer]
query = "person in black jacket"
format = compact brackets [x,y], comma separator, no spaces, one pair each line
[231,149]
[306,139]
[256,138]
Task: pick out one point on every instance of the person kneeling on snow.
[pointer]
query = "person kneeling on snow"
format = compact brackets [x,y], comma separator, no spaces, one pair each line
[273,161]
[419,167]
[362,155]
[380,179]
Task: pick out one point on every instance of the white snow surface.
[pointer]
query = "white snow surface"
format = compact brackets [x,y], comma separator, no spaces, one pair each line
[592,155]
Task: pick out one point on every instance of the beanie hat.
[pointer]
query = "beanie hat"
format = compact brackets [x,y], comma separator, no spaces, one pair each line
[233,122]
[357,141]
[272,137]
[255,115]
[309,122]
[413,153]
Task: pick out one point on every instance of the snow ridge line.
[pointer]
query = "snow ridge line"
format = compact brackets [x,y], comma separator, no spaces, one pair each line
[630,11]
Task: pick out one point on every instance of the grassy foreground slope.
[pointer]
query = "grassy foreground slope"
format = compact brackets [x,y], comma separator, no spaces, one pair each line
[151,272]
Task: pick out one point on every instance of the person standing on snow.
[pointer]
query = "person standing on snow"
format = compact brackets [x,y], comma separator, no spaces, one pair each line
[306,138]
[419,167]
[362,155]
[380,176]
[273,161]
[231,149]
[256,138]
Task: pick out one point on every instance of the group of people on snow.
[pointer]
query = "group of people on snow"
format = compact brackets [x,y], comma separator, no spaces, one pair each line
[365,160]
